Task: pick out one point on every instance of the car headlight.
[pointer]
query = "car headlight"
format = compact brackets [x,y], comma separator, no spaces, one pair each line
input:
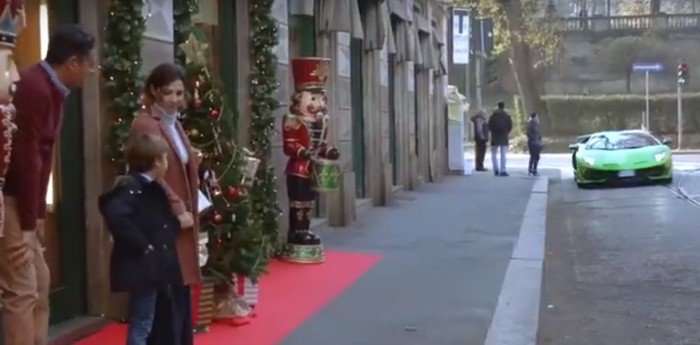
[660,156]
[589,160]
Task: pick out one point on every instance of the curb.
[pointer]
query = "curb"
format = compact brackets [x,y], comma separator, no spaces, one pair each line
[516,318]
[685,152]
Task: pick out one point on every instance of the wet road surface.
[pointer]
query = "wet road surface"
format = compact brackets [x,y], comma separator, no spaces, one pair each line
[622,267]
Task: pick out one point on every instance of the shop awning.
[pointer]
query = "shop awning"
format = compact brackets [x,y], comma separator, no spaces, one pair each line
[374,25]
[301,7]
[390,39]
[340,16]
[400,9]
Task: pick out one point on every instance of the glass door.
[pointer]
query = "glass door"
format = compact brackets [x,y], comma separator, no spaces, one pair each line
[64,225]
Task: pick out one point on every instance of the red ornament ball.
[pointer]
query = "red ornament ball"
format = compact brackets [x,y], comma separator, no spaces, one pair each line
[217,218]
[214,114]
[233,192]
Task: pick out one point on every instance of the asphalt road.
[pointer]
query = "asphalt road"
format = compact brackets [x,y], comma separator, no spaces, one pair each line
[622,267]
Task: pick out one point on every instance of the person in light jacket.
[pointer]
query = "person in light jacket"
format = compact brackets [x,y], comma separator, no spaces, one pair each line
[534,143]
[481,138]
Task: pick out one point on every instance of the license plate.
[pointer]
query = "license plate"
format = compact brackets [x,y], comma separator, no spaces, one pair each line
[626,173]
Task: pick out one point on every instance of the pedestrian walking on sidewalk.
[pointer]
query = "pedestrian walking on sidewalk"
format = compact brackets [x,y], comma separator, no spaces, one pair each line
[534,143]
[144,227]
[39,98]
[481,138]
[500,124]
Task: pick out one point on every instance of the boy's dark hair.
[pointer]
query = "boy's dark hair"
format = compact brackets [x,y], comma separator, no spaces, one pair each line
[66,41]
[533,115]
[501,105]
[142,151]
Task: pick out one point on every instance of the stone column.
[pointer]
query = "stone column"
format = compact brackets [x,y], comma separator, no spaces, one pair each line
[283,73]
[387,185]
[96,177]
[410,131]
[336,46]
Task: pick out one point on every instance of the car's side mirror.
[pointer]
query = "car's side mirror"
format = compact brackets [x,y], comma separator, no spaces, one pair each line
[573,147]
[667,141]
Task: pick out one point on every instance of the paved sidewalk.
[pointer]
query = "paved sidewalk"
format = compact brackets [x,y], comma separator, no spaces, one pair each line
[445,251]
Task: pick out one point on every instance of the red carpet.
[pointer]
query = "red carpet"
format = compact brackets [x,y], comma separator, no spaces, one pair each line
[289,295]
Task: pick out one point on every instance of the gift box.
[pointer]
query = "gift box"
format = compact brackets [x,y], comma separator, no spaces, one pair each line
[248,290]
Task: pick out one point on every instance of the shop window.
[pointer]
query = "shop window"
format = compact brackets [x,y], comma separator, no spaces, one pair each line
[207,21]
[216,23]
[302,36]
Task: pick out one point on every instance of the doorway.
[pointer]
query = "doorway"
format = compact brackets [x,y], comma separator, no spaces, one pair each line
[358,122]
[64,224]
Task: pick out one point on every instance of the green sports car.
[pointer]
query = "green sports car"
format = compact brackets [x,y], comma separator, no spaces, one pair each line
[630,156]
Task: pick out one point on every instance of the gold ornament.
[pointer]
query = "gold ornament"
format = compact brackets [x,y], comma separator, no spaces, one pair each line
[194,50]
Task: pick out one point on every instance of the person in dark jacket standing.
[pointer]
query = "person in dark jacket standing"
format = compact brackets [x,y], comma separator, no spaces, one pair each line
[534,143]
[500,124]
[144,261]
[481,138]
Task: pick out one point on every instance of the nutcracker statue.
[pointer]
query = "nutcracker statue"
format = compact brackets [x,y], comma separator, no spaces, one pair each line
[312,166]
[11,21]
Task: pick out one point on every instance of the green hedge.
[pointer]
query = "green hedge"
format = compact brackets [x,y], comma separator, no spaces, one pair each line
[573,115]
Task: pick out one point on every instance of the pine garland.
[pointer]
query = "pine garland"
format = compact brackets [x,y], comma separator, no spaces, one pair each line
[183,10]
[121,71]
[263,103]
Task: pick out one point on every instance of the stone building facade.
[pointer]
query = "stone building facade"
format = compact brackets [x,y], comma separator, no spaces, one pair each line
[386,101]
[386,92]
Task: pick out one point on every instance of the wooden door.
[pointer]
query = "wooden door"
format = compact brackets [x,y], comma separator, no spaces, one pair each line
[358,125]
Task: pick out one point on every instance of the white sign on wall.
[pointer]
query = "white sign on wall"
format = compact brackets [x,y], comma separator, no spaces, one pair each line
[344,54]
[411,77]
[281,50]
[384,67]
[431,84]
[461,27]
[159,20]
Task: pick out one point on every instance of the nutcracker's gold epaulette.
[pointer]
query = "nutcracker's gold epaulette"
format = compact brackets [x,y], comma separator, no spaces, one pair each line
[291,122]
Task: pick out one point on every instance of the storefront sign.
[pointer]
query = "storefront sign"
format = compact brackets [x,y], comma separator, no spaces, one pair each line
[460,37]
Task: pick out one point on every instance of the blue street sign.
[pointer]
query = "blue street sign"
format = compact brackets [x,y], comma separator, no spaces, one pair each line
[648,67]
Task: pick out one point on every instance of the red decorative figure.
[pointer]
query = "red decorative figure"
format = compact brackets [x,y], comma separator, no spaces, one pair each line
[304,135]
[11,21]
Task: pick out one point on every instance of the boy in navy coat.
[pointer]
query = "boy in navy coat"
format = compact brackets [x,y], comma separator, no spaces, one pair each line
[144,261]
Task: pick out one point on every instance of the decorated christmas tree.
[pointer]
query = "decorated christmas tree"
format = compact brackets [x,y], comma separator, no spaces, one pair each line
[236,242]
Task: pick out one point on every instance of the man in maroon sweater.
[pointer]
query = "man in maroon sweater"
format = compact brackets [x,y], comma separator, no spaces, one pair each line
[39,99]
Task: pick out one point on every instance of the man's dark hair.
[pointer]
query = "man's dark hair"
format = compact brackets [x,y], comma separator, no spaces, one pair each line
[533,115]
[501,105]
[142,151]
[66,41]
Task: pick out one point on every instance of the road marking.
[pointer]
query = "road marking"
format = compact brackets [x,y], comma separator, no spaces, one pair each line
[516,318]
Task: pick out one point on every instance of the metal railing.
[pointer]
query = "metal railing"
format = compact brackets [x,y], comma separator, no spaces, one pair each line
[632,23]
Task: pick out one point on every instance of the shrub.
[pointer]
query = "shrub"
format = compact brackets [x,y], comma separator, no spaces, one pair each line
[574,115]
